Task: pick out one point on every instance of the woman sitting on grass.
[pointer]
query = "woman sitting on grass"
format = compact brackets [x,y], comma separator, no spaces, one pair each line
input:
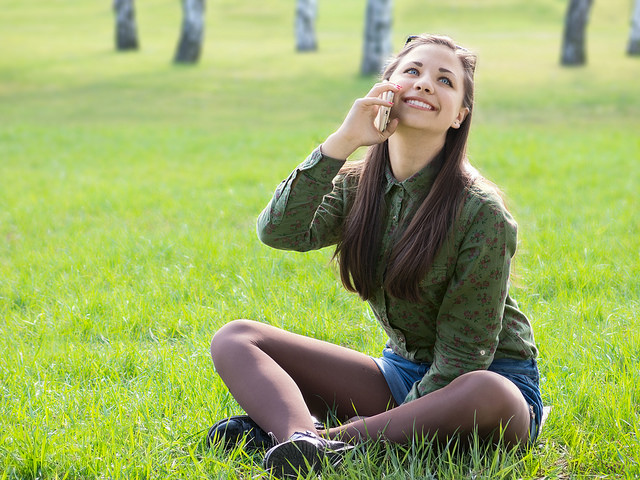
[428,243]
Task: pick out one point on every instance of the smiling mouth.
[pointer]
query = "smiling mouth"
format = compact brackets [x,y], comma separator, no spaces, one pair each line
[419,104]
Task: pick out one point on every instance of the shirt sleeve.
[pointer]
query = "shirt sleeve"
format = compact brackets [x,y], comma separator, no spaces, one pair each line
[470,318]
[307,208]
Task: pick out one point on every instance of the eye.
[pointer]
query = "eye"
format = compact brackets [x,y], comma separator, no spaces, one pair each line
[412,71]
[446,81]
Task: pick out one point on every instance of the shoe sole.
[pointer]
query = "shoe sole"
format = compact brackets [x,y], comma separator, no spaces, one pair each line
[295,458]
[291,459]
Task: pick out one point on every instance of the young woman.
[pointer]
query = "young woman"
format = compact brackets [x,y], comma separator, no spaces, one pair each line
[423,238]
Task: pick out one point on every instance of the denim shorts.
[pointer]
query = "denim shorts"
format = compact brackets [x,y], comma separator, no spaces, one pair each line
[401,374]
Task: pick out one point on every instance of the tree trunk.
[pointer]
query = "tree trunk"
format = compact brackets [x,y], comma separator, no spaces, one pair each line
[573,43]
[191,38]
[634,37]
[126,31]
[305,25]
[377,36]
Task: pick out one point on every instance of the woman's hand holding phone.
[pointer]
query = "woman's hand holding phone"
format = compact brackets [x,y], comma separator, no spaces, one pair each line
[367,123]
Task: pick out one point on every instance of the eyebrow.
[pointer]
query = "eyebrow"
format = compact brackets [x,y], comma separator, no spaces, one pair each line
[441,69]
[444,70]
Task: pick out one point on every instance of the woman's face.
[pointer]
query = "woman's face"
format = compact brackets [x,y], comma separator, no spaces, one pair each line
[432,80]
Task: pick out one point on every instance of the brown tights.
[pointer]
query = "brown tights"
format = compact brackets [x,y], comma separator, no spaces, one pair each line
[280,379]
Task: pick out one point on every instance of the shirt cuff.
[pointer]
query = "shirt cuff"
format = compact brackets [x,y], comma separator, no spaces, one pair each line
[320,167]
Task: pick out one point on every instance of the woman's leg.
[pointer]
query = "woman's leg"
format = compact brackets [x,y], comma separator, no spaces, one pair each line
[479,400]
[281,378]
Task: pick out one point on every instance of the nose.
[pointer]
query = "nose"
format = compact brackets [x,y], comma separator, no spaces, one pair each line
[424,83]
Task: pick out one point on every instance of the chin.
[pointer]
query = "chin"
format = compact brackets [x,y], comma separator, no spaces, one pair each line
[421,126]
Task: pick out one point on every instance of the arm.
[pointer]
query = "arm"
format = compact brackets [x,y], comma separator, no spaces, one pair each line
[470,317]
[307,209]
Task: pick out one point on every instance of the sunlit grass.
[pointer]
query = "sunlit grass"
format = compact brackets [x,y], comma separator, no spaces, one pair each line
[129,189]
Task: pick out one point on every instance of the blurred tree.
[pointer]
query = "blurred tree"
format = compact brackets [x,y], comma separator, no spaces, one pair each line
[305,25]
[377,36]
[634,36]
[126,30]
[575,24]
[191,37]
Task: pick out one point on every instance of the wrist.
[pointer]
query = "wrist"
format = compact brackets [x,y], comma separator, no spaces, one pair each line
[338,147]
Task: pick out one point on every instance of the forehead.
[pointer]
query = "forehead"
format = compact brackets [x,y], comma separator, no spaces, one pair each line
[434,56]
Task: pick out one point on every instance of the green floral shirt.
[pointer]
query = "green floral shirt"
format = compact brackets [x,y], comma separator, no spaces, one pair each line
[466,317]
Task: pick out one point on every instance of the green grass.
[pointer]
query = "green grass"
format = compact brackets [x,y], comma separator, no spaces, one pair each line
[129,189]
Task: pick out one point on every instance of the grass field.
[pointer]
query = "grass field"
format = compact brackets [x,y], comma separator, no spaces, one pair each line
[129,189]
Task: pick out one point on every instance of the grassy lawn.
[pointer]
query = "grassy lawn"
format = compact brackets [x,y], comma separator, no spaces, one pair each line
[129,189]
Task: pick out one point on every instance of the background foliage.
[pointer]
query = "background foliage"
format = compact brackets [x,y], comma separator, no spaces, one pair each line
[129,189]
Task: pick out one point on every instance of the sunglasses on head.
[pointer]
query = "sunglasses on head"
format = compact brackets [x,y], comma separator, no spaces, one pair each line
[411,38]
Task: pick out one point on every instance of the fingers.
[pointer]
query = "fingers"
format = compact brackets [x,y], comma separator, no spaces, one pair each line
[376,97]
[359,128]
[381,87]
[386,98]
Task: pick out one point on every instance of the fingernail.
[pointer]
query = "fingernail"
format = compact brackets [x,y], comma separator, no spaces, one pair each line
[398,86]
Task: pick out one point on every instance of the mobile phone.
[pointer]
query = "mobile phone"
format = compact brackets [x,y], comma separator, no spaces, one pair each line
[382,119]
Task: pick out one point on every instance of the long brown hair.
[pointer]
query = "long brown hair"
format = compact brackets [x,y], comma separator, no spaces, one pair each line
[411,257]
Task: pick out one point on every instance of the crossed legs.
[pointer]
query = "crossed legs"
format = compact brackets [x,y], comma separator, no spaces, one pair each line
[280,379]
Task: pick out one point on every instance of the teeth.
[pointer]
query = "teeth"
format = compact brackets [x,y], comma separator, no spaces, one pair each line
[418,103]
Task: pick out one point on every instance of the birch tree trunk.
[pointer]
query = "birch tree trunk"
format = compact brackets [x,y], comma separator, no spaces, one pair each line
[573,42]
[126,30]
[377,36]
[634,36]
[192,35]
[305,25]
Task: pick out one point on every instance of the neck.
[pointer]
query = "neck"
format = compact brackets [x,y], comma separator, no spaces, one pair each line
[411,151]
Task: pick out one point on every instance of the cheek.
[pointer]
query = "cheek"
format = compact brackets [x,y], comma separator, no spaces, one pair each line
[456,102]
[398,79]
[405,84]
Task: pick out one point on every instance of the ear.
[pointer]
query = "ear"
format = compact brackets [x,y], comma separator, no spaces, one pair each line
[460,118]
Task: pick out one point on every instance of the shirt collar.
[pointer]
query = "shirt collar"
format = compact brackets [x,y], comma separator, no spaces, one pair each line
[420,183]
